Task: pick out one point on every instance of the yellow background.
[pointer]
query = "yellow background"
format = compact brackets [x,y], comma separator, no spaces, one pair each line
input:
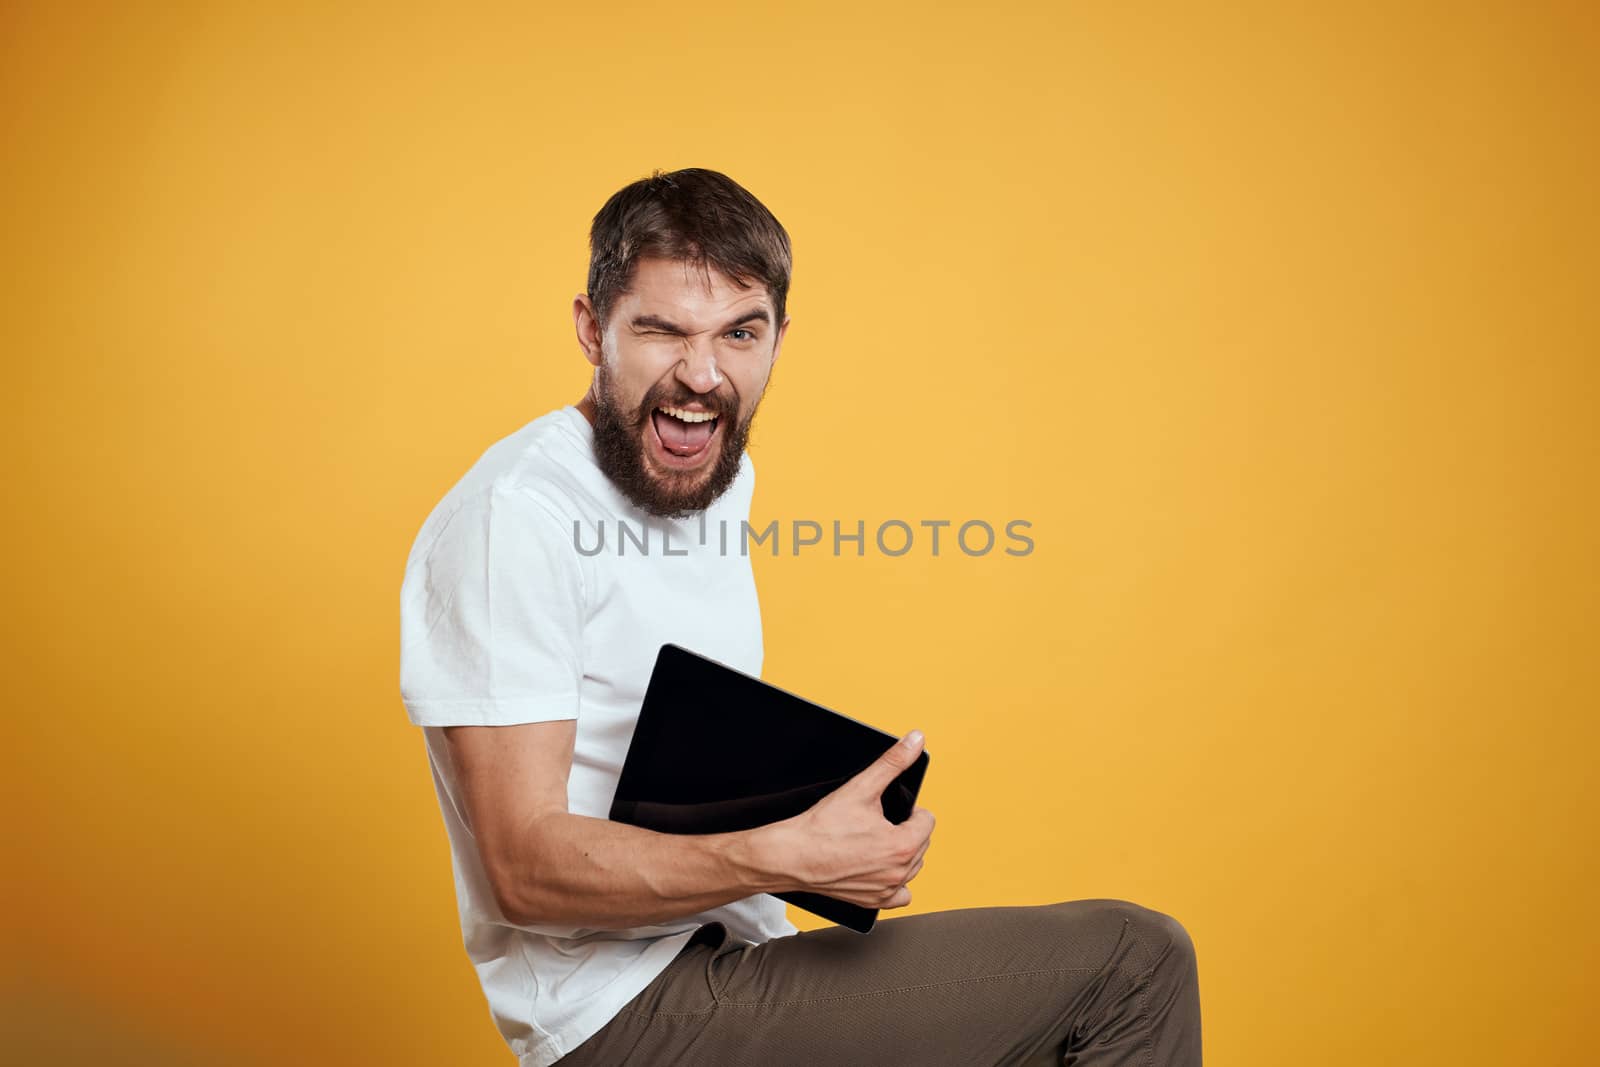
[1279,325]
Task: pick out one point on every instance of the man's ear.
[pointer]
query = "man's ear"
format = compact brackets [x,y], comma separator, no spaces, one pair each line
[777,342]
[587,324]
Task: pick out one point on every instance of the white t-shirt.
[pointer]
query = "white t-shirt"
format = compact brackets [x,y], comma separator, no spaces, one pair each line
[508,614]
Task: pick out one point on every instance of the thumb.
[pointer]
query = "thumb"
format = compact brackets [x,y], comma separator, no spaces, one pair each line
[877,775]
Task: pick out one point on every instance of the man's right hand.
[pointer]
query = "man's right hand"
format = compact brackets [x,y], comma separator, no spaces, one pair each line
[843,847]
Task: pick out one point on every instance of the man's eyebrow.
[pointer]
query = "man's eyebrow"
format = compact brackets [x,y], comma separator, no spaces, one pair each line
[656,322]
[756,315]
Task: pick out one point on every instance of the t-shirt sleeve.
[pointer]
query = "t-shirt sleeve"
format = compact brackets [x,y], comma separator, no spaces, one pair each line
[491,618]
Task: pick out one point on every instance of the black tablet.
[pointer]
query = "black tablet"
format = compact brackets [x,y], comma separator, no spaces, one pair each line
[717,750]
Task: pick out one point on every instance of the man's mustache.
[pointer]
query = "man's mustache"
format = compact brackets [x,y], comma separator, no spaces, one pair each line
[719,404]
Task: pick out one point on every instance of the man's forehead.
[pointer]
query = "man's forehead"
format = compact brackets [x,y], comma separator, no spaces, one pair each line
[690,291]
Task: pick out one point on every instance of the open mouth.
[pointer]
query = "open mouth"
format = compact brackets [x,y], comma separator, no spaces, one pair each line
[684,434]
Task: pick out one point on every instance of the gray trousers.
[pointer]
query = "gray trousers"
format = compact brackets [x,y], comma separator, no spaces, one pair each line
[1085,983]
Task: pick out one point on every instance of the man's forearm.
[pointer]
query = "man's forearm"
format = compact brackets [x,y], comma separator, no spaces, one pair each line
[581,871]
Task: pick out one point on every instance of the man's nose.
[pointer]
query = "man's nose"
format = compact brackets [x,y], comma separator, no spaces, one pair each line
[698,368]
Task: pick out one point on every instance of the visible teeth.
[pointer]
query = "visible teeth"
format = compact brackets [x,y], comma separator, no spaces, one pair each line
[689,416]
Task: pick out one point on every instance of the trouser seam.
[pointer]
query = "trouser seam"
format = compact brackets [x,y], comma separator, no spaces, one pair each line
[865,995]
[1143,991]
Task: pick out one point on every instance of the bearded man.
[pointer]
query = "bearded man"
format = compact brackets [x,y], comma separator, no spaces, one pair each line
[524,660]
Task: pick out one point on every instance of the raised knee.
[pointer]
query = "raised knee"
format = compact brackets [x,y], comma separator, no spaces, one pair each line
[1164,941]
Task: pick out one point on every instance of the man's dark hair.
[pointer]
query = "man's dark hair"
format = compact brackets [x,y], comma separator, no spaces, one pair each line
[699,216]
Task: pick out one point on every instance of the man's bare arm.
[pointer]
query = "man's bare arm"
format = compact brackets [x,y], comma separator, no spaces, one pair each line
[547,865]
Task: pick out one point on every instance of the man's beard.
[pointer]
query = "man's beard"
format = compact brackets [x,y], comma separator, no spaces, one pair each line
[619,448]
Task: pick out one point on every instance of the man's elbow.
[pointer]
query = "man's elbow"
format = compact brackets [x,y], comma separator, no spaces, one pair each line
[518,911]
[513,873]
[518,897]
